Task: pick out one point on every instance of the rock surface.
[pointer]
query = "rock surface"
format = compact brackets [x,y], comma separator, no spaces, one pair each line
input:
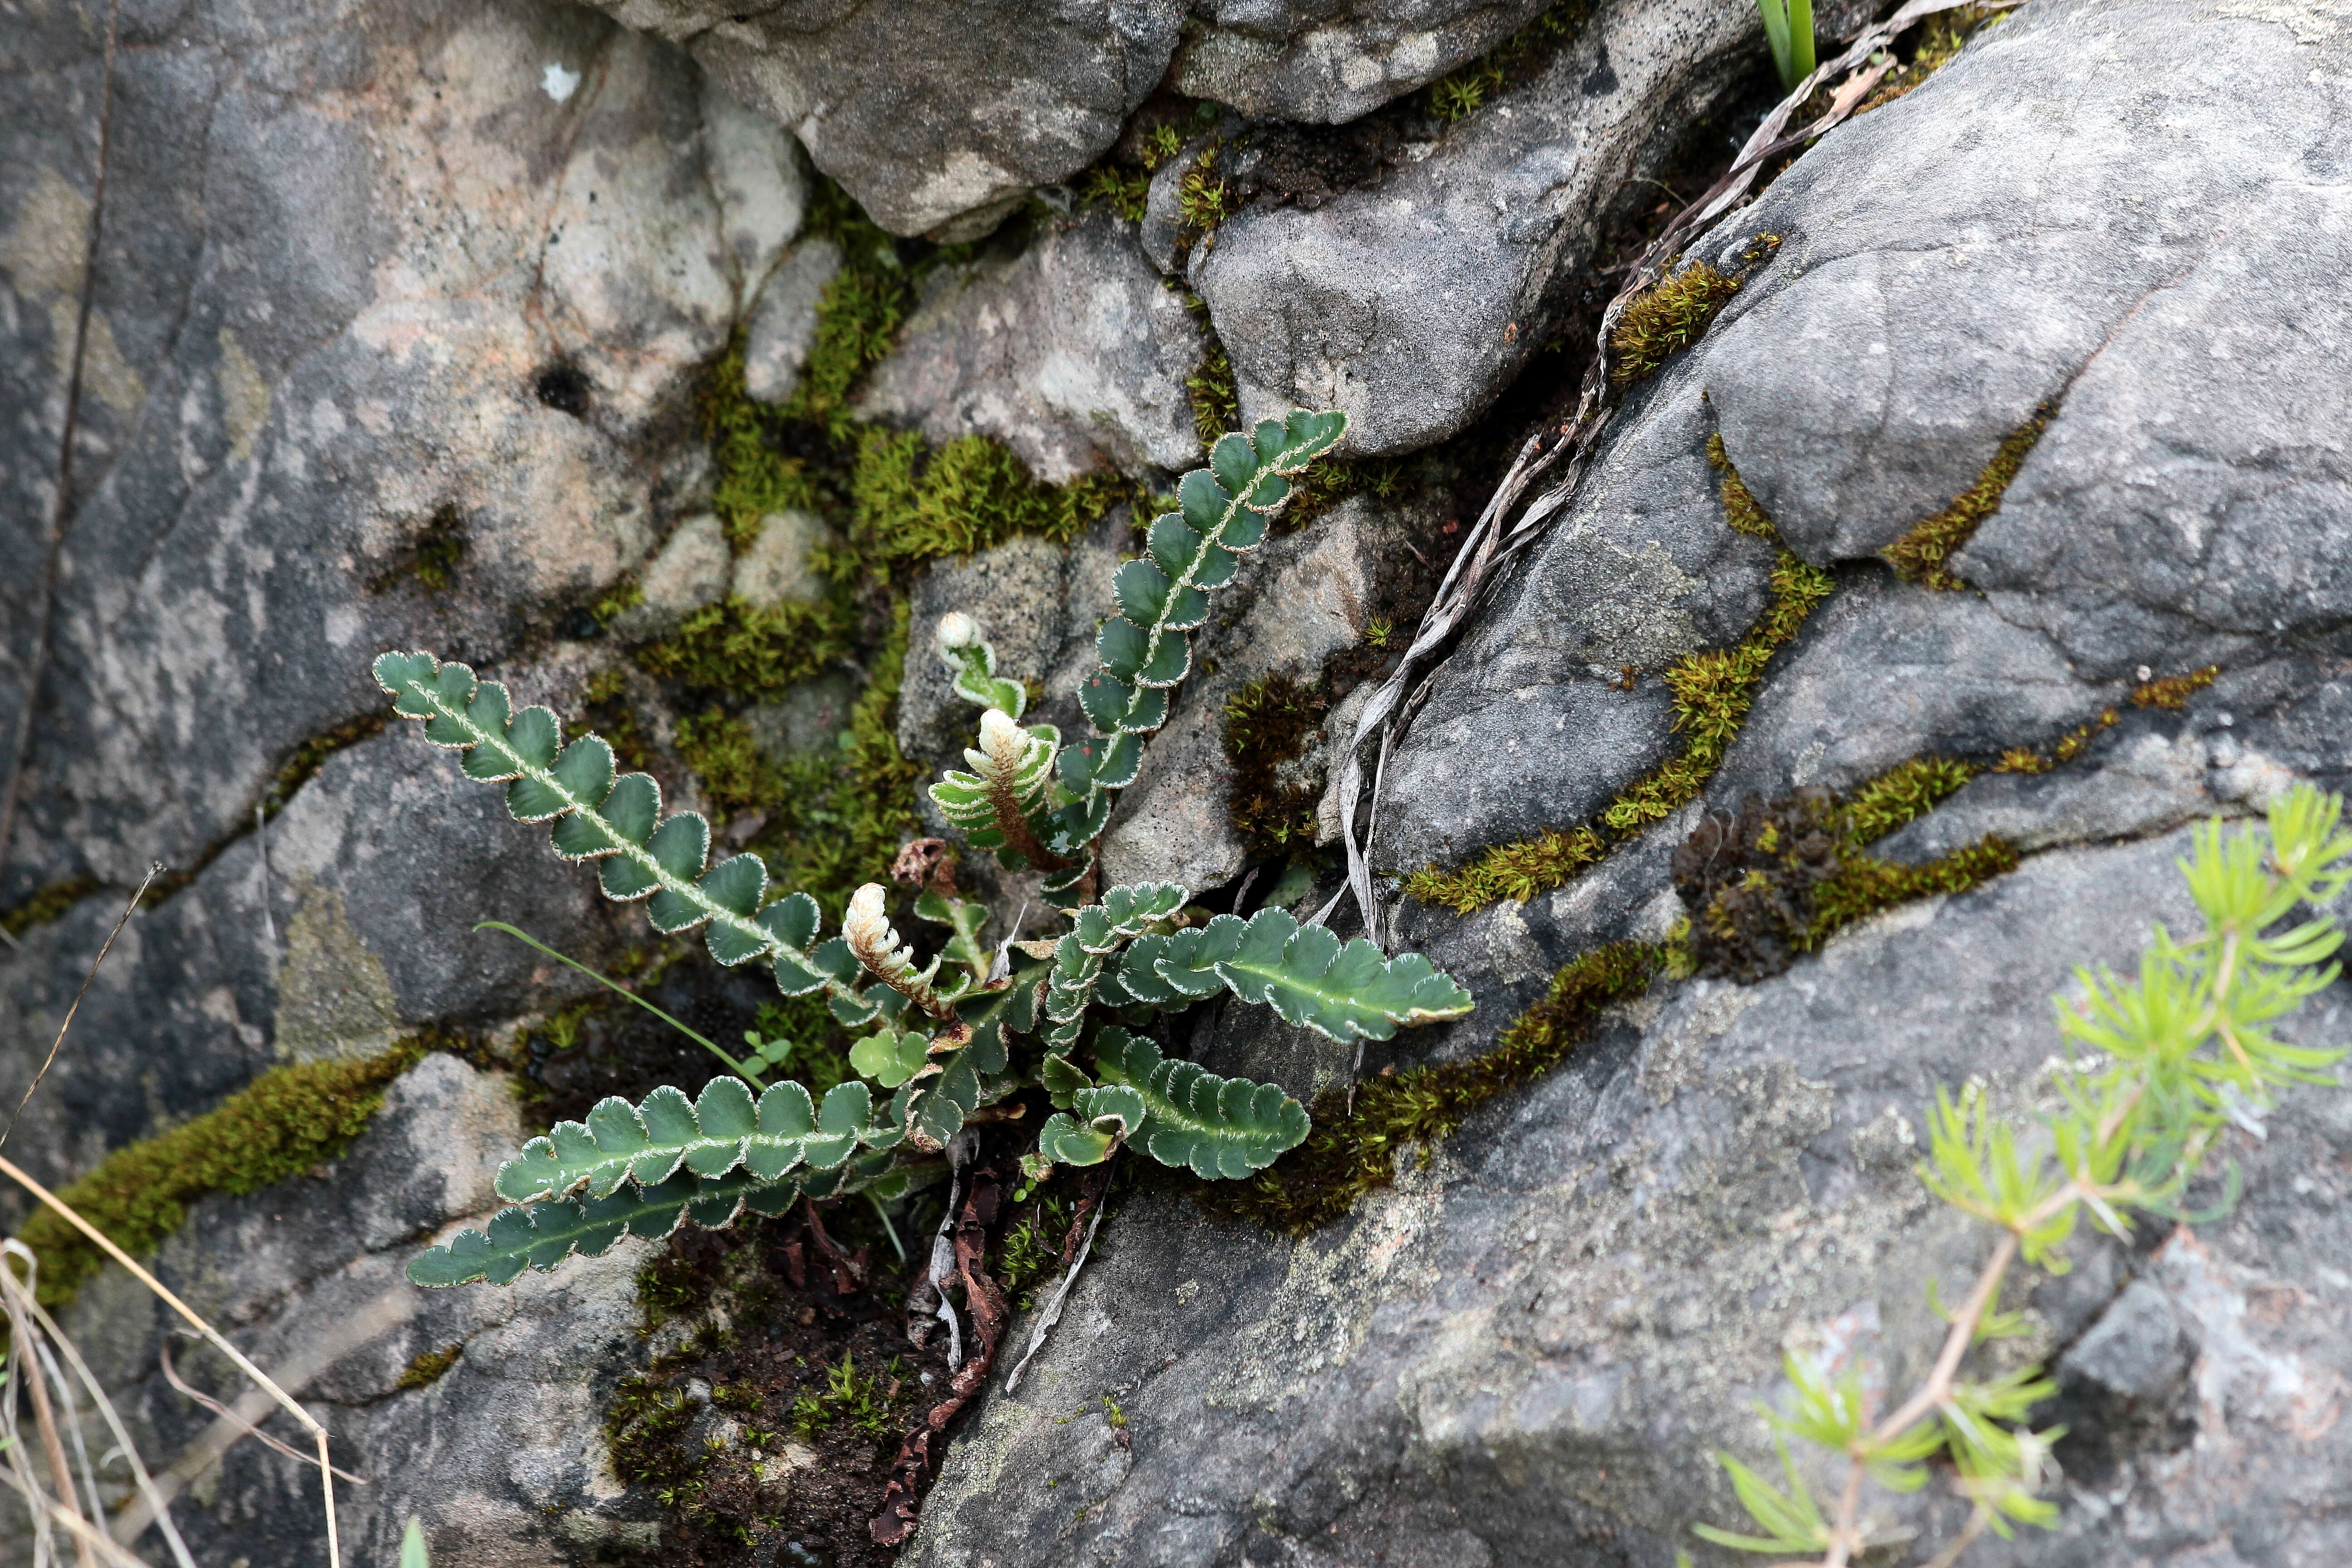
[402,348]
[472,361]
[498,1456]
[1411,303]
[1073,354]
[1525,1351]
[938,119]
[1329,61]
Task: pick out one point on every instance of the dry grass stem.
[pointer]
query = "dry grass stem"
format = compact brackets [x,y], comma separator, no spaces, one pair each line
[212,1336]
[153,870]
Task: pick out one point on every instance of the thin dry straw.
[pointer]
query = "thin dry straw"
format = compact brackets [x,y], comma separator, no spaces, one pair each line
[153,870]
[326,1468]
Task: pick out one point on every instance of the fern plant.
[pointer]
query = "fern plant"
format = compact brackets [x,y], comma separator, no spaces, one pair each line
[2160,1065]
[969,1024]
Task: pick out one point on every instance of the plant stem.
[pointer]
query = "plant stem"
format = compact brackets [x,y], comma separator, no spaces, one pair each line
[747,1075]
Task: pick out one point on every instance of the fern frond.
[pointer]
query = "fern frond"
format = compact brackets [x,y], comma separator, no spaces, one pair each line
[968,653]
[544,1234]
[874,942]
[1192,1117]
[1348,991]
[1224,512]
[1105,1116]
[614,822]
[649,1144]
[1001,804]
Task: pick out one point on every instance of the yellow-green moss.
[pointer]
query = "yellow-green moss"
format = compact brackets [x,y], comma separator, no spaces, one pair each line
[754,477]
[1665,320]
[281,1124]
[1713,691]
[48,903]
[428,1367]
[312,755]
[1920,556]
[753,651]
[1354,1147]
[912,504]
[1271,723]
[1775,879]
[2174,691]
[1903,793]
[1468,88]
[1216,399]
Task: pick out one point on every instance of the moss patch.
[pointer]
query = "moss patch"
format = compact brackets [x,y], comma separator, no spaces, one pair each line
[430,559]
[1920,556]
[1778,879]
[1215,397]
[1354,1148]
[312,755]
[1936,45]
[49,903]
[1270,724]
[913,504]
[279,1125]
[1517,61]
[2174,691]
[1665,320]
[429,1367]
[1713,689]
[755,476]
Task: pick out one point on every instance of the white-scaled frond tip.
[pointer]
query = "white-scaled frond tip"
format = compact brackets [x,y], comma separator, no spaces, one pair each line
[1004,742]
[957,631]
[866,927]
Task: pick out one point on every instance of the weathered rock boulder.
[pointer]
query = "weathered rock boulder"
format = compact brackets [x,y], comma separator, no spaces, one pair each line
[1527,1350]
[938,119]
[394,350]
[1412,302]
[1073,353]
[1327,61]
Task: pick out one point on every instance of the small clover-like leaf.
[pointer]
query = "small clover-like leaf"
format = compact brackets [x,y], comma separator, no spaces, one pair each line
[890,1057]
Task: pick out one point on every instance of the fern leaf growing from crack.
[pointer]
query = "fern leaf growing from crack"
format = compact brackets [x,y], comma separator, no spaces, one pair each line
[617,822]
[708,1137]
[942,1043]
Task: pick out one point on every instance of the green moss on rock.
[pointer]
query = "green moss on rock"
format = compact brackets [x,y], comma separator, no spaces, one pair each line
[283,1123]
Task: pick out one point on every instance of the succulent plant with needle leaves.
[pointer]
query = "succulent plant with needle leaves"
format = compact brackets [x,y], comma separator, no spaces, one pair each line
[970,1024]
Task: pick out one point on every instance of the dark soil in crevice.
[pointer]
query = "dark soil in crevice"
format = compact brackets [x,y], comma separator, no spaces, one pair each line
[769,1441]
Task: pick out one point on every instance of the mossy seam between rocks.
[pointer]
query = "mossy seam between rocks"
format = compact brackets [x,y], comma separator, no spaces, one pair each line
[1359,1139]
[281,1124]
[1713,689]
[1922,553]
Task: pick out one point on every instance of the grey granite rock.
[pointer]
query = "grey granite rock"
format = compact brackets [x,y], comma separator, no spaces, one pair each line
[1867,375]
[692,569]
[1331,60]
[1414,302]
[937,119]
[497,1457]
[1884,672]
[783,323]
[1642,570]
[1525,1351]
[368,933]
[374,285]
[775,568]
[1072,352]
